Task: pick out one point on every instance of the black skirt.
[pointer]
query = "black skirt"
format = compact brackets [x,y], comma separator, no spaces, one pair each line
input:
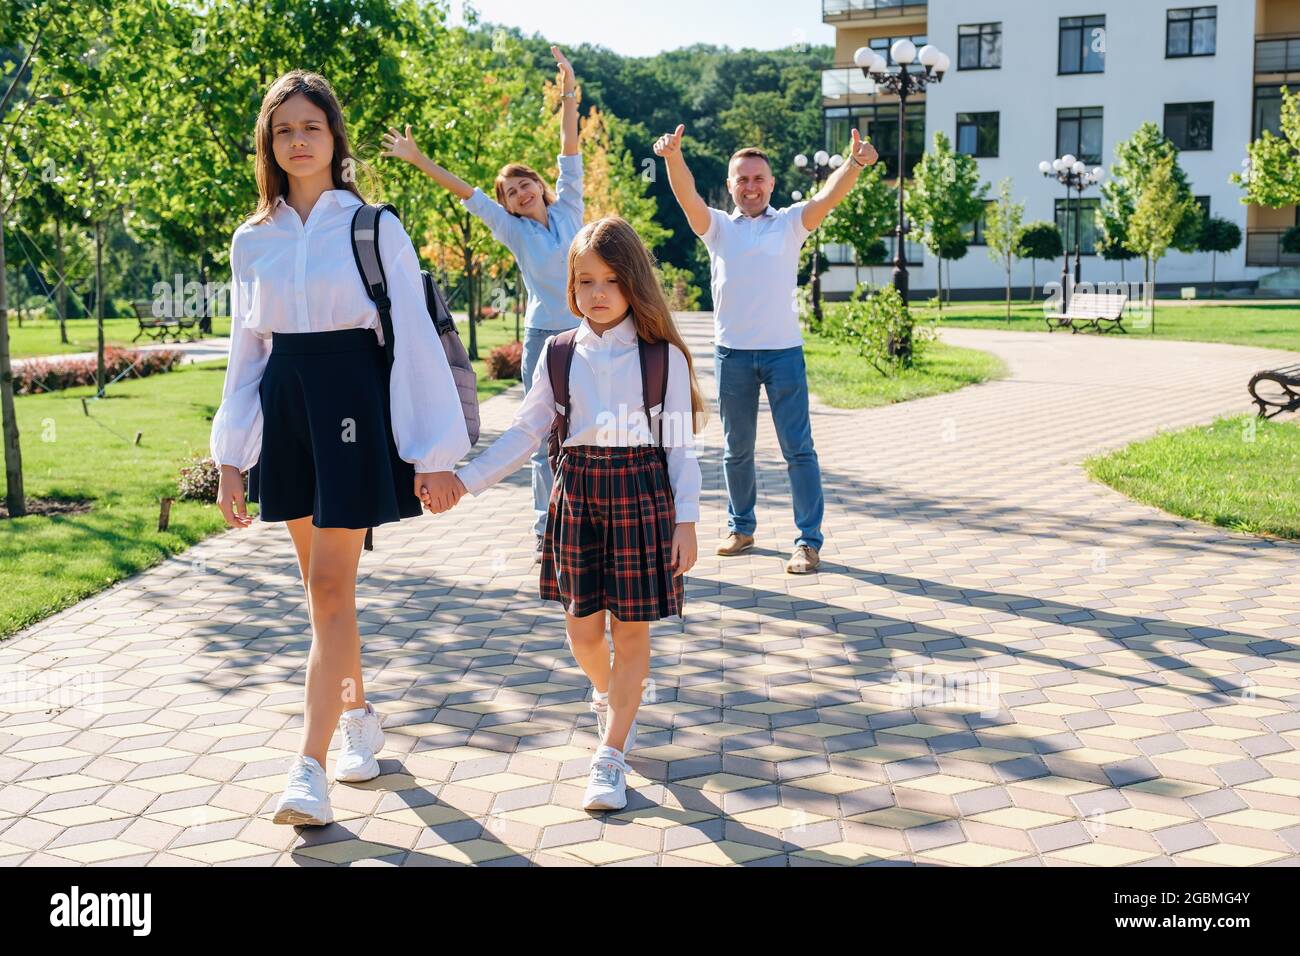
[327,434]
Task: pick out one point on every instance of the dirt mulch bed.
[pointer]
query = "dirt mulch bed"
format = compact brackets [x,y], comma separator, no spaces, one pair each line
[50,506]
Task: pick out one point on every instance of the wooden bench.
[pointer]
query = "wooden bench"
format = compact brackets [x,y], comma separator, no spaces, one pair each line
[1276,391]
[1089,310]
[160,328]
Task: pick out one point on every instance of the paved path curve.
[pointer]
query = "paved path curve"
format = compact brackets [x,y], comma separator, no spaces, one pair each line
[1000,662]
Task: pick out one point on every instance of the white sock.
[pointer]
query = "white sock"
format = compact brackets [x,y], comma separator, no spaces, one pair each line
[598,697]
[604,750]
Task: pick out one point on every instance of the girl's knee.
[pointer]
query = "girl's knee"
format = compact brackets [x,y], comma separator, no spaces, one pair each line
[330,594]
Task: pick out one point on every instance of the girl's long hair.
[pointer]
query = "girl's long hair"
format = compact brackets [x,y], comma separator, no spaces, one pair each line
[619,247]
[519,169]
[272,181]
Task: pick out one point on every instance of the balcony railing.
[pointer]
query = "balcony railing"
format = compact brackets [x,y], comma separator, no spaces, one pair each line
[859,9]
[843,82]
[1277,55]
[1264,248]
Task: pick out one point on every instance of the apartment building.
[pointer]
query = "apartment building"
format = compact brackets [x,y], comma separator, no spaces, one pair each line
[1031,80]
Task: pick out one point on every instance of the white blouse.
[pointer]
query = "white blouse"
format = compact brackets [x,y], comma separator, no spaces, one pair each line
[606,409]
[287,276]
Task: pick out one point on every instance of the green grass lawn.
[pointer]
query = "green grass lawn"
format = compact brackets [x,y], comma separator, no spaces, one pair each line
[41,337]
[50,562]
[1238,473]
[842,378]
[1264,324]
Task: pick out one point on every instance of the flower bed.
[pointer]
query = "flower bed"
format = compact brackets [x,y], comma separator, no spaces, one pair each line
[33,376]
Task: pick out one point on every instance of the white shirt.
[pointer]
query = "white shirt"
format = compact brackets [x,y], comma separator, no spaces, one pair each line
[754,262]
[287,276]
[605,408]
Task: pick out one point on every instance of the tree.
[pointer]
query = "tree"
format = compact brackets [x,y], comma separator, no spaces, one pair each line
[945,197]
[866,214]
[1135,161]
[1272,176]
[1039,240]
[1002,231]
[1157,214]
[1218,235]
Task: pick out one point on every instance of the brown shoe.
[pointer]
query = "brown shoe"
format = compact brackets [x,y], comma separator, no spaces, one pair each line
[805,560]
[736,543]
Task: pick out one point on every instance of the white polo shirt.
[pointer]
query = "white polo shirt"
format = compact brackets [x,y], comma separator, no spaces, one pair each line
[754,263]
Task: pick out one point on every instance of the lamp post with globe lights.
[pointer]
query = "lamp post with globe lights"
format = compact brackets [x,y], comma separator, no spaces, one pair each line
[1074,174]
[821,166]
[902,83]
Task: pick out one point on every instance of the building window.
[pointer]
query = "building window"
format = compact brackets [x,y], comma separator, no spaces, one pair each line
[974,233]
[979,46]
[1078,132]
[1190,126]
[1065,221]
[1204,203]
[977,134]
[1191,31]
[1082,46]
[880,123]
[1268,111]
[882,45]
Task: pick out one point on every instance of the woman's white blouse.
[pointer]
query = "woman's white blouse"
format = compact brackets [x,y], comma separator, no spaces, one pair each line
[606,409]
[287,276]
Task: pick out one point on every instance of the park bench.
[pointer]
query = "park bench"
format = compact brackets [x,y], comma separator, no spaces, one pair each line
[1088,310]
[1276,390]
[160,328]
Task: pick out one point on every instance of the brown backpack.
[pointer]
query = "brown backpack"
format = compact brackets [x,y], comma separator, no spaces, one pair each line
[654,381]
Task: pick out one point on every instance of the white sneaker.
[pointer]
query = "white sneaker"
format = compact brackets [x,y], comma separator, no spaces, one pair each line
[606,781]
[362,738]
[305,801]
[601,709]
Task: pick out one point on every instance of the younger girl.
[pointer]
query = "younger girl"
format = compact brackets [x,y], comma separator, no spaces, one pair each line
[620,527]
[343,442]
[536,225]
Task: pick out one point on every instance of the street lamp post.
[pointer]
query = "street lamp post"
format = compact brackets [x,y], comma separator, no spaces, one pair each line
[821,167]
[902,83]
[1073,174]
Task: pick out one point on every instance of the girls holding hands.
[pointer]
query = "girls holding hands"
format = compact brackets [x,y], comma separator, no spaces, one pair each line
[537,225]
[620,526]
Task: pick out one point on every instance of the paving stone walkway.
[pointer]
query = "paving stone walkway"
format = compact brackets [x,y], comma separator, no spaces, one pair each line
[999,663]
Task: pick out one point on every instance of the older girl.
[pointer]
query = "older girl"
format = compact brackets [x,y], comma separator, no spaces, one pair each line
[343,442]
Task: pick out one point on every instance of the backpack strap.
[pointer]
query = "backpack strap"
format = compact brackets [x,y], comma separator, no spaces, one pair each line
[654,384]
[559,360]
[365,250]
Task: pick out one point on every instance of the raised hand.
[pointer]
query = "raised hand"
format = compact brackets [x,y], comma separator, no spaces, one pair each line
[438,490]
[670,144]
[862,150]
[563,70]
[400,146]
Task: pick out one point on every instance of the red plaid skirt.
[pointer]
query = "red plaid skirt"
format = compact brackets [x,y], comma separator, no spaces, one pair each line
[609,535]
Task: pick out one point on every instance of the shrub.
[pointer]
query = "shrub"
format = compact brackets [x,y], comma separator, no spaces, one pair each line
[54,373]
[505,361]
[682,294]
[873,322]
[199,481]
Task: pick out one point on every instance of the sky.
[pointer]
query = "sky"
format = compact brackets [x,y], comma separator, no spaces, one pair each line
[647,27]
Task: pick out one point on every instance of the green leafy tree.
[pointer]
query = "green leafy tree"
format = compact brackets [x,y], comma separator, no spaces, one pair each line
[1136,159]
[944,198]
[1039,240]
[1218,235]
[1003,227]
[867,213]
[1157,213]
[1273,173]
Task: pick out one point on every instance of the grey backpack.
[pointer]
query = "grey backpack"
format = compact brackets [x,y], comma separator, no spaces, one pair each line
[365,249]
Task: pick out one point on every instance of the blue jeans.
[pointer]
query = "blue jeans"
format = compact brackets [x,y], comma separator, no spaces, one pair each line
[534,341]
[740,373]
